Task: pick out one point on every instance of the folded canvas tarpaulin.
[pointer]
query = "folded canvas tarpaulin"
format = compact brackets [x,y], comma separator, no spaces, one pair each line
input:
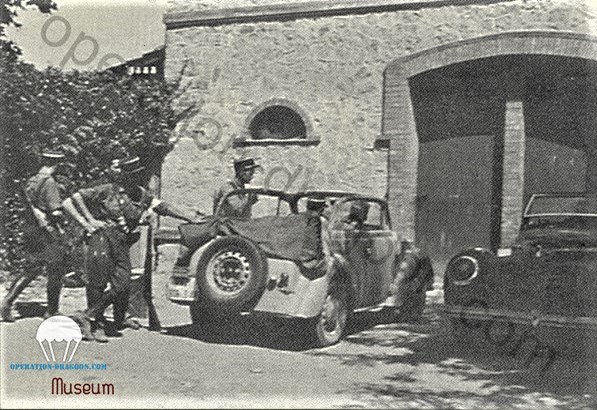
[195,235]
[294,237]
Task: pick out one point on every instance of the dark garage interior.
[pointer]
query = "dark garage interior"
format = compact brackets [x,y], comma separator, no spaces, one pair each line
[460,113]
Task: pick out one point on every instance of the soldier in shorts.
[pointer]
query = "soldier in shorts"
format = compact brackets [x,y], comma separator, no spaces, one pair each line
[44,237]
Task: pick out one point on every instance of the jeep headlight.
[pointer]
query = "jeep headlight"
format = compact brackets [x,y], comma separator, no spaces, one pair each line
[463,270]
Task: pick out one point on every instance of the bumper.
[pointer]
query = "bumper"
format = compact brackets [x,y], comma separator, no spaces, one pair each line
[522,318]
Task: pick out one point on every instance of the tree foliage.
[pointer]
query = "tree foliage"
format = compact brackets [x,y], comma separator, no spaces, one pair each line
[92,117]
[9,10]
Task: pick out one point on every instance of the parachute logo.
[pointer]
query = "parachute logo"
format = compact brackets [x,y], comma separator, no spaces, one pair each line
[58,329]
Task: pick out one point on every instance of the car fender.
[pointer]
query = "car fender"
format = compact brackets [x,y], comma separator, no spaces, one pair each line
[182,284]
[312,293]
[472,288]
[193,264]
[481,255]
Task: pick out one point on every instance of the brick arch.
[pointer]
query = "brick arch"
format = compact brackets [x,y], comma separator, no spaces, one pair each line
[398,123]
[285,103]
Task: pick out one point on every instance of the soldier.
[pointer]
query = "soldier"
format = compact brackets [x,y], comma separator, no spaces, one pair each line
[238,205]
[110,212]
[44,239]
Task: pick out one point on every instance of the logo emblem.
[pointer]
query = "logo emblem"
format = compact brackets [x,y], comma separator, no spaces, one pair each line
[59,329]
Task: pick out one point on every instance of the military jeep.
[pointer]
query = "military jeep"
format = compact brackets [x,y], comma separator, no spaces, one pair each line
[298,262]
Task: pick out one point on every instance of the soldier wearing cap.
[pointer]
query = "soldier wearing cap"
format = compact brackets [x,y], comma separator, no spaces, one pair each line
[44,239]
[110,212]
[237,205]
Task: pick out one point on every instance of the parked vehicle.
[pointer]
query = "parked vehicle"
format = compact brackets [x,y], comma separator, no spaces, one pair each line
[547,278]
[298,263]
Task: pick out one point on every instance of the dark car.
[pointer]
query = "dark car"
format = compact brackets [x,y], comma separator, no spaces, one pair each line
[319,264]
[547,278]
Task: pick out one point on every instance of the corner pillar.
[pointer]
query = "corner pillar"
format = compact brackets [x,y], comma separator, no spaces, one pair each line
[399,127]
[513,172]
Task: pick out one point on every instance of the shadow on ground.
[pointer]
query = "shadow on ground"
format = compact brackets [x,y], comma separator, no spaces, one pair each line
[440,369]
[428,366]
[260,332]
[266,331]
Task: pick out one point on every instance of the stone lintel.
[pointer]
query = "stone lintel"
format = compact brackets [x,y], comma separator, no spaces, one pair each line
[297,10]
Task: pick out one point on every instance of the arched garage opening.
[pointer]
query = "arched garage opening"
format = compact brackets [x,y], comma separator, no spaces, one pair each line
[477,126]
[461,112]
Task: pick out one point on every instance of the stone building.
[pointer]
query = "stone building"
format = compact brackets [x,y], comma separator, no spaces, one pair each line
[458,110]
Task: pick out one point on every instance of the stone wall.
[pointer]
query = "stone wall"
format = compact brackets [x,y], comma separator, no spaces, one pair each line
[332,68]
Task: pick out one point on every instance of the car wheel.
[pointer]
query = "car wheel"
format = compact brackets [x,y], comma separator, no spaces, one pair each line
[231,275]
[330,325]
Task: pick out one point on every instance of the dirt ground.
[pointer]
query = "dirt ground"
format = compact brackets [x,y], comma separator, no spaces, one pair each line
[263,363]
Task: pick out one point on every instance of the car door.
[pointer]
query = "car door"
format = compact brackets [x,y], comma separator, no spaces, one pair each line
[368,250]
[351,245]
[380,253]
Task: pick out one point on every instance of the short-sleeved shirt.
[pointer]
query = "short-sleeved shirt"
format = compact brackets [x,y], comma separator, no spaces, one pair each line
[43,192]
[236,206]
[111,203]
[42,244]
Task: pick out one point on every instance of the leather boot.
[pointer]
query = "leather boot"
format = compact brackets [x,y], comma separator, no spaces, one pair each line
[121,304]
[99,333]
[14,292]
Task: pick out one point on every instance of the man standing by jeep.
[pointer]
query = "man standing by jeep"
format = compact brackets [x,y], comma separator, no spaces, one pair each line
[234,206]
[237,205]
[44,239]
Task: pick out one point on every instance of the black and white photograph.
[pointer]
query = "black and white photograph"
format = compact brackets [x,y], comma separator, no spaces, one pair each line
[298,204]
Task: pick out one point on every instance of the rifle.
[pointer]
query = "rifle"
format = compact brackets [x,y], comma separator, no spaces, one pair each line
[154,321]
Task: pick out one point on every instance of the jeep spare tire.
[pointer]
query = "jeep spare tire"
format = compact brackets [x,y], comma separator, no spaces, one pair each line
[231,275]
